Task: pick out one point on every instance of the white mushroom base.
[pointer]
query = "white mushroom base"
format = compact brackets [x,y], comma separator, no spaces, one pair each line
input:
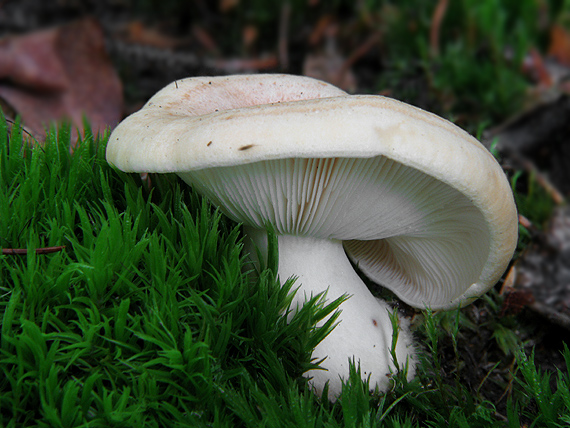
[364,331]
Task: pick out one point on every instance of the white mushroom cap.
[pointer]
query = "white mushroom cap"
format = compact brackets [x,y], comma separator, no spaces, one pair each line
[421,206]
[417,203]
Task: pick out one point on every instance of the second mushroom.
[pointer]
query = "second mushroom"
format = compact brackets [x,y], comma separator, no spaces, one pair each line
[416,203]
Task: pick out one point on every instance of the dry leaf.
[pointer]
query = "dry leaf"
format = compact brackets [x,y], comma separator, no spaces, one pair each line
[61,73]
[560,44]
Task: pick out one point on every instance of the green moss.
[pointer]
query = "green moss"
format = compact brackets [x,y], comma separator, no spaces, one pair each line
[143,315]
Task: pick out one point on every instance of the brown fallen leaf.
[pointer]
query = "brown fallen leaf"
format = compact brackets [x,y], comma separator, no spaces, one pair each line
[559,44]
[534,66]
[61,73]
[515,301]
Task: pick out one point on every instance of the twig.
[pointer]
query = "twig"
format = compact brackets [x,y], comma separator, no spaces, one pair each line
[510,277]
[532,229]
[24,251]
[188,61]
[551,315]
[283,44]
[240,65]
[361,51]
[509,389]
[436,20]
[544,182]
[526,164]
[12,122]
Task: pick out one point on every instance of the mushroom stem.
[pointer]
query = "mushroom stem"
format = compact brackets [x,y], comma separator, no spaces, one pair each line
[364,330]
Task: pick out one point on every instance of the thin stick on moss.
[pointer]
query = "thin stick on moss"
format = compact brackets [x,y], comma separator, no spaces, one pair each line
[24,251]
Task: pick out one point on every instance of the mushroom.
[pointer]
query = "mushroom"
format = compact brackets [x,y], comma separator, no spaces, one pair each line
[416,203]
